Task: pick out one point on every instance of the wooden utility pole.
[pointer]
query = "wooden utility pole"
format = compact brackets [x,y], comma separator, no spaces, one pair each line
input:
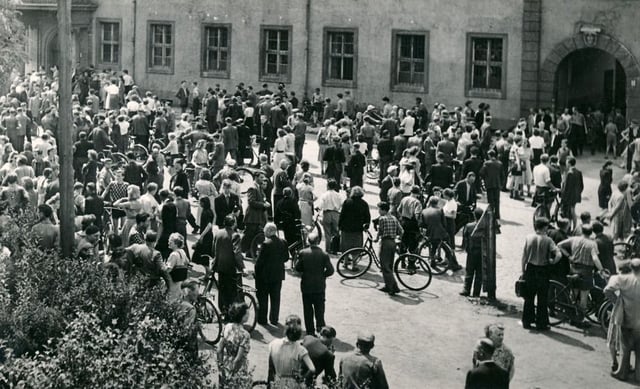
[65,126]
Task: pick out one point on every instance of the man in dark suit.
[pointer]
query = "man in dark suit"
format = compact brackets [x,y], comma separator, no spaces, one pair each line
[572,191]
[385,153]
[335,158]
[269,274]
[387,183]
[466,196]
[227,262]
[432,219]
[183,96]
[493,175]
[473,164]
[447,148]
[211,111]
[555,141]
[226,204]
[314,267]
[556,172]
[230,139]
[486,374]
[441,175]
[180,177]
[322,354]
[256,213]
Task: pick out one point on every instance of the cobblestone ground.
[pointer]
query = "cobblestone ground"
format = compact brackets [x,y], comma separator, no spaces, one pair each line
[425,339]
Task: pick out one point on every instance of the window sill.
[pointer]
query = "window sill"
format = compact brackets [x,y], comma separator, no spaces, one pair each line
[214,74]
[486,93]
[275,78]
[409,88]
[352,84]
[159,70]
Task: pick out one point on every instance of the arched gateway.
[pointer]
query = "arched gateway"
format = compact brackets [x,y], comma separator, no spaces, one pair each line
[592,46]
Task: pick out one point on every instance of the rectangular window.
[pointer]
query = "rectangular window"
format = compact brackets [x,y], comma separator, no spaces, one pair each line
[161,43]
[409,61]
[216,47]
[340,59]
[486,65]
[109,44]
[275,54]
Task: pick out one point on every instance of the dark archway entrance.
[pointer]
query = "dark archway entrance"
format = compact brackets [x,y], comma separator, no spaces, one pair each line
[603,42]
[590,78]
[53,52]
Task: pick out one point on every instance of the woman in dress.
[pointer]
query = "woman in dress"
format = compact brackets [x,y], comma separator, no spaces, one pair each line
[614,332]
[116,190]
[620,211]
[526,154]
[324,139]
[279,148]
[353,216]
[205,188]
[306,199]
[604,190]
[177,266]
[286,356]
[203,245]
[200,157]
[131,206]
[233,349]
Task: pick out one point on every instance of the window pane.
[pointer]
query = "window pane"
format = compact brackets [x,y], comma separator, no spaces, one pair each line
[336,47]
[405,46]
[272,44]
[405,66]
[284,59]
[222,66]
[106,53]
[283,69]
[223,37]
[418,67]
[272,59]
[479,49]
[157,35]
[115,32]
[106,32]
[284,40]
[347,69]
[210,60]
[479,76]
[272,68]
[496,50]
[334,68]
[495,77]
[348,48]
[116,54]
[418,78]
[223,55]
[404,77]
[418,47]
[167,51]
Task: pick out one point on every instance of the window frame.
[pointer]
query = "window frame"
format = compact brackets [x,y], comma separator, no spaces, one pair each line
[326,58]
[204,52]
[262,75]
[486,92]
[158,69]
[396,86]
[100,41]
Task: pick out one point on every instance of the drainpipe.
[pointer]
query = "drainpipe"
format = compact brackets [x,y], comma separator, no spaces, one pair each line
[133,40]
[308,33]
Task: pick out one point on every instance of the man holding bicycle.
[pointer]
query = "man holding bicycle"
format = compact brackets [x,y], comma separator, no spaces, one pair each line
[388,229]
[542,180]
[583,256]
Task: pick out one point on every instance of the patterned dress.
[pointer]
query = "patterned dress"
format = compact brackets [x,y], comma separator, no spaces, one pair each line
[235,337]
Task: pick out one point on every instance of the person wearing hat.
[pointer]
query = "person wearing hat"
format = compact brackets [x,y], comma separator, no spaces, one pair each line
[355,167]
[360,369]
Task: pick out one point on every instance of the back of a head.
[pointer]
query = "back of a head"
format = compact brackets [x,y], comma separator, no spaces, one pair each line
[484,349]
[293,328]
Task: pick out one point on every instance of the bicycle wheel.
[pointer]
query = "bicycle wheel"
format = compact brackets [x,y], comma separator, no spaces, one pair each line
[119,159]
[622,250]
[252,317]
[256,245]
[316,228]
[354,263]
[246,179]
[412,271]
[260,384]
[373,169]
[209,320]
[439,261]
[141,153]
[294,250]
[592,310]
[540,211]
[561,308]
[604,315]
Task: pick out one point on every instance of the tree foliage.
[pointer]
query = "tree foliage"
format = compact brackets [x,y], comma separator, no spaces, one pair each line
[13,42]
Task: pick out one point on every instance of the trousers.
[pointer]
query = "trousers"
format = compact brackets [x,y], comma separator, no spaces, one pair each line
[387,255]
[330,225]
[473,270]
[268,292]
[493,198]
[537,286]
[313,306]
[228,290]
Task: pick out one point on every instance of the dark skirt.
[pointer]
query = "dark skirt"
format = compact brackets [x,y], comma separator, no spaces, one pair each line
[202,249]
[349,240]
[604,194]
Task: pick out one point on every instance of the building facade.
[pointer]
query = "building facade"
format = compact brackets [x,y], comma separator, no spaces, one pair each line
[513,55]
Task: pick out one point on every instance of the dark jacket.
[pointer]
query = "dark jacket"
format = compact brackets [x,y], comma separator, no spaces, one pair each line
[487,375]
[180,179]
[572,188]
[225,252]
[461,193]
[222,208]
[140,125]
[212,107]
[356,165]
[323,359]
[270,263]
[314,266]
[441,175]
[433,220]
[287,212]
[354,215]
[385,149]
[385,185]
[230,138]
[493,174]
[256,206]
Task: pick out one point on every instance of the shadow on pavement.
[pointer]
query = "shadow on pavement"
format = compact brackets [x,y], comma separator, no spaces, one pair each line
[360,283]
[342,347]
[409,299]
[562,338]
[274,331]
[509,223]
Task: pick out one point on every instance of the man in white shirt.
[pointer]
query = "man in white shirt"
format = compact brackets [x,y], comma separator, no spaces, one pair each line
[408,123]
[128,81]
[542,179]
[537,145]
[330,203]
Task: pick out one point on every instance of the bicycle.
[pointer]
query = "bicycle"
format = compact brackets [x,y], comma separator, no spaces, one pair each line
[548,206]
[411,270]
[564,303]
[437,257]
[246,294]
[372,170]
[630,248]
[209,320]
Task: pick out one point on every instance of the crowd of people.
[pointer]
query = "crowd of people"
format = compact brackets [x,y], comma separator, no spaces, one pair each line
[433,164]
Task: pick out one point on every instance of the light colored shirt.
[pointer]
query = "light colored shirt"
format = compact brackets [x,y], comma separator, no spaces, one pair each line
[541,175]
[331,201]
[582,250]
[286,356]
[539,250]
[410,208]
[536,142]
[450,208]
[627,287]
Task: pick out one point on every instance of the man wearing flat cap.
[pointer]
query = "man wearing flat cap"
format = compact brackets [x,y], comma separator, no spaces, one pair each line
[361,369]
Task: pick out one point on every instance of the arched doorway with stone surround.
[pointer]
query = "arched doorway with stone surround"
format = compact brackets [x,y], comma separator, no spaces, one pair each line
[547,87]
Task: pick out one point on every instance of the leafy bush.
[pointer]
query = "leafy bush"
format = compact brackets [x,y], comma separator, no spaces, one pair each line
[72,323]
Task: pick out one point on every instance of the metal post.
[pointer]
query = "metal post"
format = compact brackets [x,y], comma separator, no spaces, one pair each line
[65,126]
